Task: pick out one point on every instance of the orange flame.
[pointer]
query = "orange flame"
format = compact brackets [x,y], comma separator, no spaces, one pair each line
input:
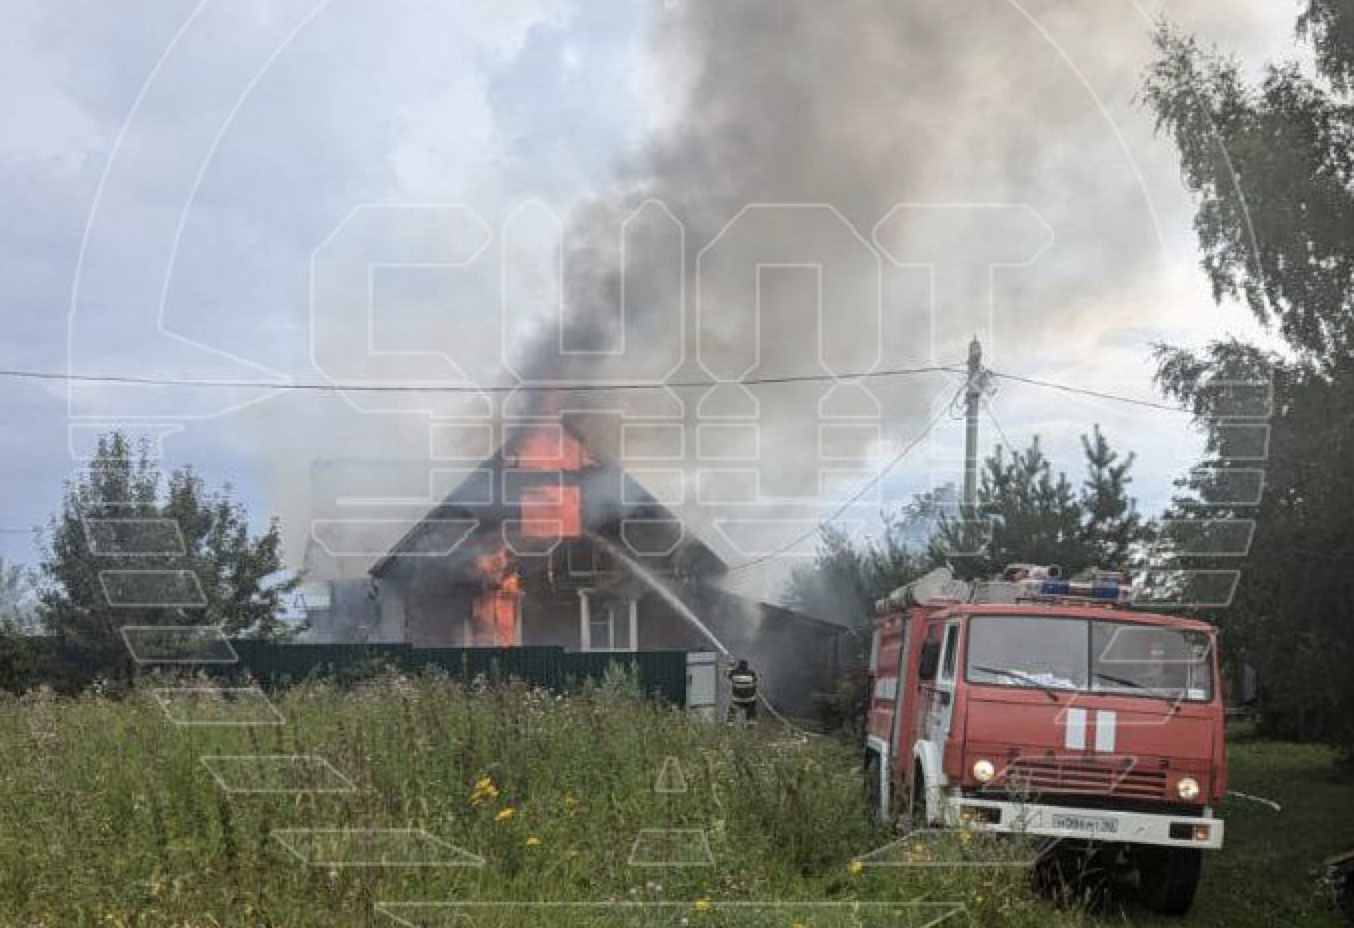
[494,612]
[551,511]
[547,445]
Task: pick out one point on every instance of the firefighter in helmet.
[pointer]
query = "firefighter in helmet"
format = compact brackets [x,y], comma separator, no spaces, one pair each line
[742,691]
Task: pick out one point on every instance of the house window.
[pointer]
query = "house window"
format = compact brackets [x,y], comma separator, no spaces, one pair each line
[611,627]
[611,624]
[602,628]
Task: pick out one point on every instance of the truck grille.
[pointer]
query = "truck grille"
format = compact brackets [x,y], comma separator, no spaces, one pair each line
[1079,775]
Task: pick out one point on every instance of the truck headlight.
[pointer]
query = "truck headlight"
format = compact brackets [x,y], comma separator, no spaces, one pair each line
[984,771]
[1188,788]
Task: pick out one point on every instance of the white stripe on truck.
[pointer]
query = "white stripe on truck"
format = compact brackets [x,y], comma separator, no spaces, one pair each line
[1105,724]
[1074,739]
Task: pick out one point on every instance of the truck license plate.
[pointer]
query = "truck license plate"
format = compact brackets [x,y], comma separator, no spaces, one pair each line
[1086,824]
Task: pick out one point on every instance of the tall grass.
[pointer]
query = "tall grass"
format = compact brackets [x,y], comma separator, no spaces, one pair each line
[110,818]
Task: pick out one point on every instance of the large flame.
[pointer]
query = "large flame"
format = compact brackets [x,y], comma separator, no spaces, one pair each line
[551,510]
[494,613]
[547,511]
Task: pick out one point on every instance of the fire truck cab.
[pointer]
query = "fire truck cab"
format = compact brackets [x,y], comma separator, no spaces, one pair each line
[1037,706]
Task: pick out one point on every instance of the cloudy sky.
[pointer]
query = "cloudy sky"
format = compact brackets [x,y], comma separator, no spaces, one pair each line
[336,190]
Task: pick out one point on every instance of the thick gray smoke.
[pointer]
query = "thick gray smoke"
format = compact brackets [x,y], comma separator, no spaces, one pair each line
[1012,125]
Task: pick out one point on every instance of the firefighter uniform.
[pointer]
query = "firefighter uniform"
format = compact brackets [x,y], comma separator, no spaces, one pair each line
[743,691]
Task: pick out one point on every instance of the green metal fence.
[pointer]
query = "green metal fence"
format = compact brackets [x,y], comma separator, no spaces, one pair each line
[29,662]
[660,673]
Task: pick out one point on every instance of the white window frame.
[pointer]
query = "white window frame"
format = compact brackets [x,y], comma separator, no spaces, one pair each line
[594,620]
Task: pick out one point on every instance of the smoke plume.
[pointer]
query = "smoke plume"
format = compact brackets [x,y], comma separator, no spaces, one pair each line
[1035,210]
[1006,131]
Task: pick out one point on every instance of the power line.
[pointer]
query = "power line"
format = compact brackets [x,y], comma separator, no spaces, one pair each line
[315,387]
[947,409]
[1099,394]
[992,416]
[869,485]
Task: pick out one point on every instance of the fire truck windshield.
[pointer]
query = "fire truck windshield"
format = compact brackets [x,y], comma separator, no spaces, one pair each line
[1064,653]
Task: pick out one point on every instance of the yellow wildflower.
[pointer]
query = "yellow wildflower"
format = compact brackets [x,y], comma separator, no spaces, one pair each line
[484,790]
[701,905]
[533,841]
[505,813]
[857,868]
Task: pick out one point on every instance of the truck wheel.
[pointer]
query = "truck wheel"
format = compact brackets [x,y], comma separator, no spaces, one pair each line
[873,798]
[1076,874]
[1344,897]
[1168,878]
[1055,872]
[1340,873]
[917,819]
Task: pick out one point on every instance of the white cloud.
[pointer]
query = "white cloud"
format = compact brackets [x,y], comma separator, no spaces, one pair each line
[39,121]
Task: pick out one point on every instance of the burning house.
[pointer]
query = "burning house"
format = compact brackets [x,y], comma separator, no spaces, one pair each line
[546,544]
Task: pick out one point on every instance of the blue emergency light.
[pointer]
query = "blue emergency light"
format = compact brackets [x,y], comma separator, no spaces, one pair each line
[1099,589]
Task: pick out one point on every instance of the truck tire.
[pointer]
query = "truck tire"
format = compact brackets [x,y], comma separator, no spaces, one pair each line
[1073,873]
[917,818]
[1340,872]
[1056,872]
[1168,878]
[1344,897]
[873,797]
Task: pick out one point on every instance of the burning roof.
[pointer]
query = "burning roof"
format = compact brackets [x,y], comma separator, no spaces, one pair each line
[543,501]
[542,488]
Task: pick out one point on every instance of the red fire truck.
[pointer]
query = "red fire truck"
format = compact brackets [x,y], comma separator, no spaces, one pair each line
[1040,706]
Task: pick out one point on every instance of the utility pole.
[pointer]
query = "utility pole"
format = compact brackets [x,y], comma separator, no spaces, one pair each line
[973,395]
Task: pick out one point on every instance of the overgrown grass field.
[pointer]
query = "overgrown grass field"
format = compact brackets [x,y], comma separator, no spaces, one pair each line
[109,815]
[516,808]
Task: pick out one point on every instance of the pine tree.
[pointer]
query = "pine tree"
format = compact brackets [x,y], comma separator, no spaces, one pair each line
[1110,520]
[1027,514]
